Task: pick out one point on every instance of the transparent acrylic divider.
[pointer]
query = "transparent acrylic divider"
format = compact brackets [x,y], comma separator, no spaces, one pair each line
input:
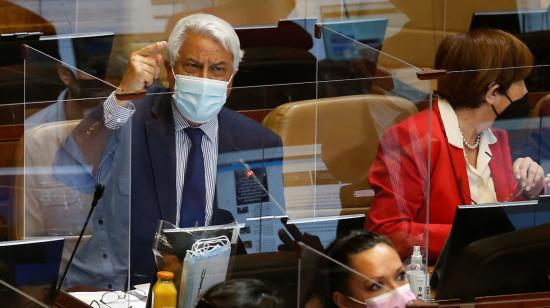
[331,166]
[75,171]
[317,181]
[251,183]
[347,276]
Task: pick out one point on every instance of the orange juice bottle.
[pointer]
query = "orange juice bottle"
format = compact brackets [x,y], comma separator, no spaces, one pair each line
[164,291]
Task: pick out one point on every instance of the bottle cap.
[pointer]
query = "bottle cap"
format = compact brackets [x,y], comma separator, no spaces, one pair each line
[416,257]
[165,275]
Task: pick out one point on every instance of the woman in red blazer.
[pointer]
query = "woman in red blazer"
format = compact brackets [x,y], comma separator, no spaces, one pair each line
[468,161]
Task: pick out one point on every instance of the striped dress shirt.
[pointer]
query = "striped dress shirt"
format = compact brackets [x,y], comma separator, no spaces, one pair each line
[116,116]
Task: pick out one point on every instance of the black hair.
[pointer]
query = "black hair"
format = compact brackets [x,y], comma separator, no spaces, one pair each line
[240,293]
[342,250]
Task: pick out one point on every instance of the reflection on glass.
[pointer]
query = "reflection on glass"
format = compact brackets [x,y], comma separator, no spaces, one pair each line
[271,52]
[58,186]
[63,209]
[84,63]
[350,52]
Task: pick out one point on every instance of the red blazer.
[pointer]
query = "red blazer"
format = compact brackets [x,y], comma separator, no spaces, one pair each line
[399,177]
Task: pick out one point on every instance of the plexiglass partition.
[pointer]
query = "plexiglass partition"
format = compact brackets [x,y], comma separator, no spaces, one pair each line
[358,100]
[316,186]
[337,129]
[72,196]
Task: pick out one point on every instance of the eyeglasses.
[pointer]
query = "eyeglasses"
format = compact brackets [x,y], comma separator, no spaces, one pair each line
[117,297]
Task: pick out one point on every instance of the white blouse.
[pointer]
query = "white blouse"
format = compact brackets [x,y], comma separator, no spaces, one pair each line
[482,187]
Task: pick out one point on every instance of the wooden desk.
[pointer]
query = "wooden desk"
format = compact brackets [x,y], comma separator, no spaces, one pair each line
[65,300]
[541,299]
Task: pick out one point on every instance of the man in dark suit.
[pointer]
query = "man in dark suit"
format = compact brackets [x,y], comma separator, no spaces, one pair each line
[164,147]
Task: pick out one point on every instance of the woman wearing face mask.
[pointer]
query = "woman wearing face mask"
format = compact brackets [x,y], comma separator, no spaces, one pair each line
[469,162]
[374,257]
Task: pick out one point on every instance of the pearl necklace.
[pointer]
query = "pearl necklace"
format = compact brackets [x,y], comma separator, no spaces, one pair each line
[468,145]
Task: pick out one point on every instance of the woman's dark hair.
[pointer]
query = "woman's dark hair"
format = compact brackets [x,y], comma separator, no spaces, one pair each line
[480,58]
[342,250]
[240,293]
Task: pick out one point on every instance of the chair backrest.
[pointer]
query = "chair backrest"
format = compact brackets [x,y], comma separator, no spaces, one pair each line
[348,129]
[35,156]
[542,107]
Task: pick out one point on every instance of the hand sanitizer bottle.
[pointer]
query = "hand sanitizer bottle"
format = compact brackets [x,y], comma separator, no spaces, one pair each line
[417,276]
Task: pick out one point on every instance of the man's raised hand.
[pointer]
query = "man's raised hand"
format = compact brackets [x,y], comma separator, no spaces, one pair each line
[143,68]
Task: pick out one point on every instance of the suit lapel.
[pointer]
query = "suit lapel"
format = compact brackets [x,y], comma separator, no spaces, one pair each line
[504,187]
[458,164]
[160,134]
[226,141]
[460,173]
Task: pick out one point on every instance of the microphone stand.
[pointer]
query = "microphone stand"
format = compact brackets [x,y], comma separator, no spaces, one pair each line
[98,192]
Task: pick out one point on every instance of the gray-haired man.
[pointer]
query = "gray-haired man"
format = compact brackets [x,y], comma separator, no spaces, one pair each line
[204,55]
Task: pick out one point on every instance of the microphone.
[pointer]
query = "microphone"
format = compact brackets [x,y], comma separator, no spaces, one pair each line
[98,193]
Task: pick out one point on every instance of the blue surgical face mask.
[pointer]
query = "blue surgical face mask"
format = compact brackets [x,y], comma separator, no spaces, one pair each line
[205,265]
[199,99]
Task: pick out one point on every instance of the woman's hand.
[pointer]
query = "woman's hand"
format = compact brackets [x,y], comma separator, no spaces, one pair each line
[530,176]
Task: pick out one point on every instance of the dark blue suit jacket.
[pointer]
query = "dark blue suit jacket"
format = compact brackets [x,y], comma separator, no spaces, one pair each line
[151,175]
[153,167]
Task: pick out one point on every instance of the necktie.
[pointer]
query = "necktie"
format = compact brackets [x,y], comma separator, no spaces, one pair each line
[193,197]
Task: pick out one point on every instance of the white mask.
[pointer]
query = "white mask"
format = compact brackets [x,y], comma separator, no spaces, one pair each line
[199,99]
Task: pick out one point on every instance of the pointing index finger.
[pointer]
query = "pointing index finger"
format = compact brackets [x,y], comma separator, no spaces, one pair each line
[153,49]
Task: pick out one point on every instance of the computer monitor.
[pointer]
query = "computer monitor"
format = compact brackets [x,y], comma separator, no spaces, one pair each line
[510,263]
[275,191]
[282,63]
[533,28]
[249,185]
[31,266]
[479,256]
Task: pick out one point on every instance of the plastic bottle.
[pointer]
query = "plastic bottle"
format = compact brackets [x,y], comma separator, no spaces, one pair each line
[164,291]
[417,275]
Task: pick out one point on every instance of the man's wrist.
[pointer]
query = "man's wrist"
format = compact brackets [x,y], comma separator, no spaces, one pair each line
[123,97]
[115,114]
